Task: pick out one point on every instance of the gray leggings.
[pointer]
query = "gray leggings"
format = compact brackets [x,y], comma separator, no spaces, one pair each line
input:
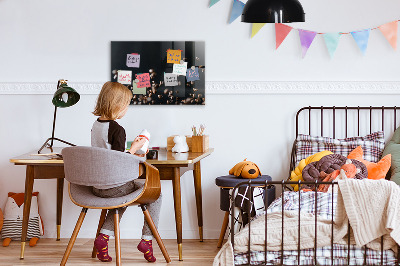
[154,208]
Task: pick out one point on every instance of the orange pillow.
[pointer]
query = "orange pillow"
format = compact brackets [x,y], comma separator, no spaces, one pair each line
[375,170]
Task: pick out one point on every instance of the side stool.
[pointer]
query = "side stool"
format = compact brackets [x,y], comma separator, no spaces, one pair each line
[226,183]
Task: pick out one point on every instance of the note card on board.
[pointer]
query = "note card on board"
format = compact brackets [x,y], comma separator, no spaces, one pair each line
[136,90]
[180,69]
[170,79]
[144,80]
[133,60]
[174,56]
[192,75]
[125,76]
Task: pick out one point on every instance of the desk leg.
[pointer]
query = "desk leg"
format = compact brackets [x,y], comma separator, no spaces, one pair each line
[60,190]
[27,206]
[199,204]
[176,182]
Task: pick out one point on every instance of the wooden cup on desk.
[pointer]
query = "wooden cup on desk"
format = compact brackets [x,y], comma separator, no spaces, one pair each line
[200,143]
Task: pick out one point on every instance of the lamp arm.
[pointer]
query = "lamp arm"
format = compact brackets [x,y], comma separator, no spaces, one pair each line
[55,115]
[54,126]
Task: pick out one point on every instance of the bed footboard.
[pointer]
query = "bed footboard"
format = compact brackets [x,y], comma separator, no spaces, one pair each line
[384,257]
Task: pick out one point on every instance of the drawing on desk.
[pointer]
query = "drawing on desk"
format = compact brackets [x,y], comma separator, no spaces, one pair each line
[52,155]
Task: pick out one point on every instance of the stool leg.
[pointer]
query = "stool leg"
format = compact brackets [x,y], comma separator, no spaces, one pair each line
[223,229]
[117,239]
[101,222]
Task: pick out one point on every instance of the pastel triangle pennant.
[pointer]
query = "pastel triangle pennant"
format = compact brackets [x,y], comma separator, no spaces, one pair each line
[361,37]
[306,39]
[256,27]
[281,31]
[332,41]
[213,2]
[389,30]
[237,9]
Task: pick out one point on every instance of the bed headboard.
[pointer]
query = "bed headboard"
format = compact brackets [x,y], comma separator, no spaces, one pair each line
[344,121]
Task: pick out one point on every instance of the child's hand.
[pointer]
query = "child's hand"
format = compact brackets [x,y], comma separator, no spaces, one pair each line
[137,144]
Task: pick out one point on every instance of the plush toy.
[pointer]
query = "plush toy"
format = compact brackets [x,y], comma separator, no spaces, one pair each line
[180,144]
[375,170]
[245,169]
[296,174]
[13,215]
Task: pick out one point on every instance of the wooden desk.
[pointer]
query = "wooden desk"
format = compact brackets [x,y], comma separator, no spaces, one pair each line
[40,167]
[171,167]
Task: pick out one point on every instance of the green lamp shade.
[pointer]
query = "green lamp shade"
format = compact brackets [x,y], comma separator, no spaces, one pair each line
[65,96]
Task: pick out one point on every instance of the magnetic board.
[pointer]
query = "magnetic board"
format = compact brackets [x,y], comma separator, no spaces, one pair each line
[160,72]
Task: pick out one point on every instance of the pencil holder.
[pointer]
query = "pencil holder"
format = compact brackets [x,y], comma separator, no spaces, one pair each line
[200,143]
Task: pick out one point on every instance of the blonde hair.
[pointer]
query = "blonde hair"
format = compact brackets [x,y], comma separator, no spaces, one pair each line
[112,99]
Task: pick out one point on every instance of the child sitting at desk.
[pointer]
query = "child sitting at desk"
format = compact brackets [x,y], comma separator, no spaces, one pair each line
[112,103]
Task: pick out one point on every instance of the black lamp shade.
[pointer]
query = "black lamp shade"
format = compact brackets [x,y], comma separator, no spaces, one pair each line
[65,96]
[273,11]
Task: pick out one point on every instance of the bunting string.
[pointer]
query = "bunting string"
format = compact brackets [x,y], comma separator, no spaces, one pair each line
[343,33]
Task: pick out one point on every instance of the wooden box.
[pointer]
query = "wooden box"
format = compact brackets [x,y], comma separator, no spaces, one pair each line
[200,143]
[171,143]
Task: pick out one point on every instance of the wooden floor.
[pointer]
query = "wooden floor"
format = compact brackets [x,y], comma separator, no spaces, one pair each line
[50,252]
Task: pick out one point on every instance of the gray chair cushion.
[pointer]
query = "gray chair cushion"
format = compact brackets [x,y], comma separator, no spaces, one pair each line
[84,196]
[99,167]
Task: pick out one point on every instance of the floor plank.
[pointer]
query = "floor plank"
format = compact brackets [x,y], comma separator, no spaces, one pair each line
[49,252]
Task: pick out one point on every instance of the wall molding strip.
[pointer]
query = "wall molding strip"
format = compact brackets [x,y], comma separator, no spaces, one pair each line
[231,87]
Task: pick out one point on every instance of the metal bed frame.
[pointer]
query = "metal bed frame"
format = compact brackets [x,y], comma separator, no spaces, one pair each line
[283,184]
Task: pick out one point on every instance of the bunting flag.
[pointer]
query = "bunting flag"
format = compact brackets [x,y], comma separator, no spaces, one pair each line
[213,2]
[306,39]
[256,27]
[281,31]
[332,41]
[389,30]
[361,37]
[237,9]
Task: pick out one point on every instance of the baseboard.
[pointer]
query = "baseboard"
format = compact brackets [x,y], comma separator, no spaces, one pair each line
[231,87]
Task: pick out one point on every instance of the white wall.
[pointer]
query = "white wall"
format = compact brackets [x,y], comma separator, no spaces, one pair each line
[42,41]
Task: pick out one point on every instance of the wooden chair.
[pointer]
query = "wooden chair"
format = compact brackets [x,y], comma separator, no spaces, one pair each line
[85,167]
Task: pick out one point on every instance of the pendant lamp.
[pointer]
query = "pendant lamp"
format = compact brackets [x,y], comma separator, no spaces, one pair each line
[64,96]
[272,11]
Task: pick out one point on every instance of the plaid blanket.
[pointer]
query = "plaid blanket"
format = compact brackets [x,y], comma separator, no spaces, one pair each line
[323,205]
[306,201]
[324,257]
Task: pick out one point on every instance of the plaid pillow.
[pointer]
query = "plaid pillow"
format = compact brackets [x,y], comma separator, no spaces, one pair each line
[372,145]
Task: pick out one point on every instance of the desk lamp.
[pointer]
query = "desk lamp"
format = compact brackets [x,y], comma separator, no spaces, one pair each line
[273,11]
[64,96]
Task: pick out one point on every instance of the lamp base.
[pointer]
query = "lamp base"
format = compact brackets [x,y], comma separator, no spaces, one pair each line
[50,146]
